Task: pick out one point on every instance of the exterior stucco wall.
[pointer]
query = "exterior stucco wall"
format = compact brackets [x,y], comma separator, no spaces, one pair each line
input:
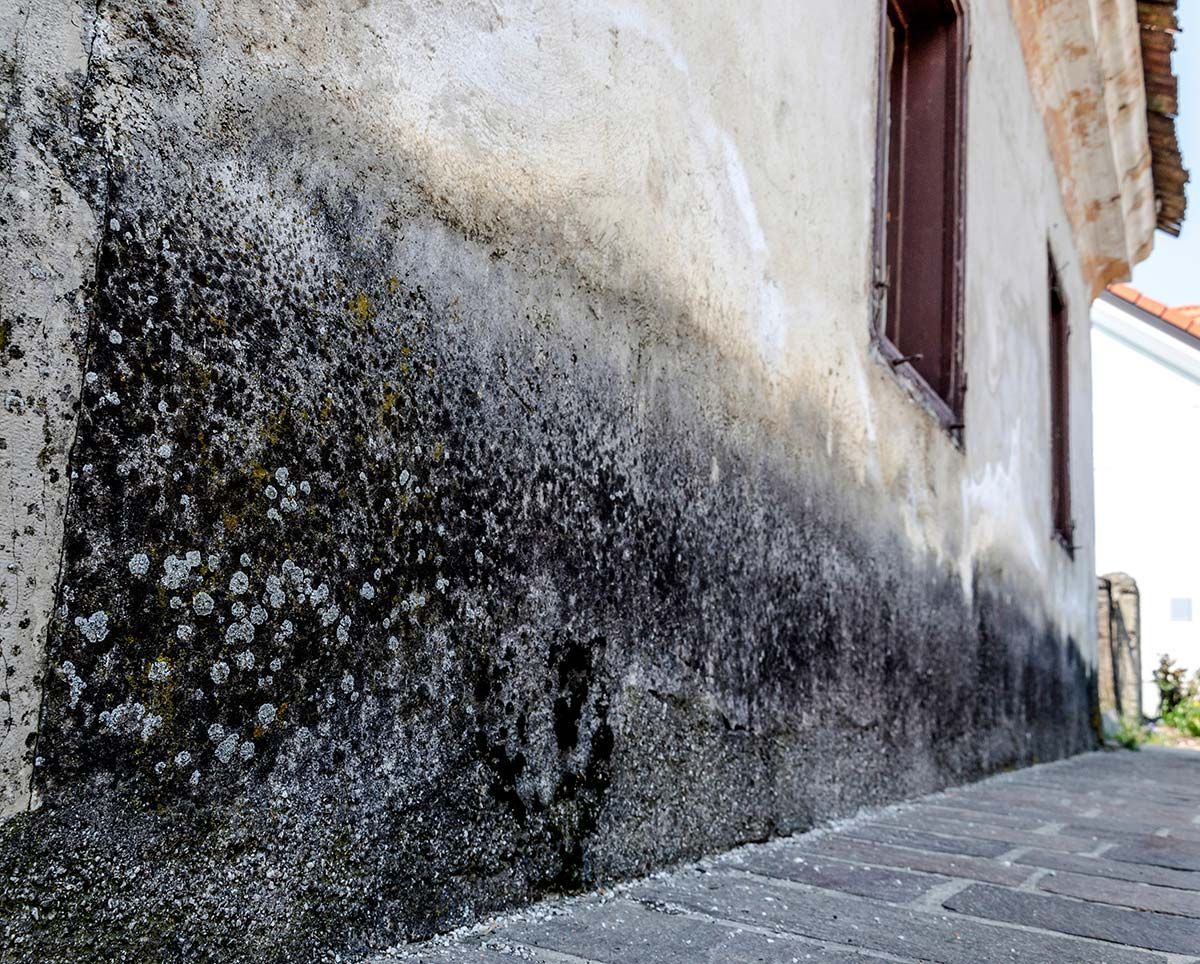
[557,321]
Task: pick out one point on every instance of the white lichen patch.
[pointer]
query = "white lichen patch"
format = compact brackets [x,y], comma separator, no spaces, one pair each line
[266,714]
[176,571]
[95,627]
[139,564]
[159,671]
[76,684]
[202,604]
[150,725]
[275,596]
[239,583]
[244,660]
[219,671]
[124,719]
[367,591]
[227,748]
[240,632]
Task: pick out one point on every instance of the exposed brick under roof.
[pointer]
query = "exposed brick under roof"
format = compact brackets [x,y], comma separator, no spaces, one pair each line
[1185,317]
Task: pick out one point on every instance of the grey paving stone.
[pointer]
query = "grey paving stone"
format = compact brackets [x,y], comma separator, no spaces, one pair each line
[626,932]
[884,855]
[988,805]
[947,812]
[926,936]
[1168,853]
[1158,932]
[1166,900]
[896,886]
[457,954]
[922,840]
[1111,828]
[1051,803]
[1122,831]
[1113,869]
[984,830]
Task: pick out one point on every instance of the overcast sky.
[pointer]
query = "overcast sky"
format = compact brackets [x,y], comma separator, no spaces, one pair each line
[1172,272]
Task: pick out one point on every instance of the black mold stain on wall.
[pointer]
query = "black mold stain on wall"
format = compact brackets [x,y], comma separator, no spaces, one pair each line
[376,618]
[411,573]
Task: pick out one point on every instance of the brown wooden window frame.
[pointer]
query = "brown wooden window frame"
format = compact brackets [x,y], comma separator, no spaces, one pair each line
[1059,368]
[920,166]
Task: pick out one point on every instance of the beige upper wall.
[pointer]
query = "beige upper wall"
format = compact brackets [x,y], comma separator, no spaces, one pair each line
[726,153]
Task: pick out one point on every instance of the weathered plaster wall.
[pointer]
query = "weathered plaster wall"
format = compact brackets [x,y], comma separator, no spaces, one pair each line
[47,259]
[484,483]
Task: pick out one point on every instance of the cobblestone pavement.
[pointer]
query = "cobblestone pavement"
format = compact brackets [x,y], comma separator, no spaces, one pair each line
[1094,859]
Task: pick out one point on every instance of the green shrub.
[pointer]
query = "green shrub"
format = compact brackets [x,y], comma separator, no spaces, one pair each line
[1130,735]
[1173,688]
[1184,716]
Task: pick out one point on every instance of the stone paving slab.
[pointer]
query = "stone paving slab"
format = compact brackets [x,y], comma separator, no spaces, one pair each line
[935,843]
[883,856]
[1165,900]
[991,819]
[1113,829]
[627,932]
[1067,863]
[1006,835]
[863,880]
[1157,852]
[1112,869]
[919,934]
[1156,932]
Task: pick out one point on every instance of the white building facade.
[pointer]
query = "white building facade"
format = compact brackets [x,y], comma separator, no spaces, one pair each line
[1146,408]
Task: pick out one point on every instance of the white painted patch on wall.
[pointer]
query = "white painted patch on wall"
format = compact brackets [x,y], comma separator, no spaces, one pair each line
[634,20]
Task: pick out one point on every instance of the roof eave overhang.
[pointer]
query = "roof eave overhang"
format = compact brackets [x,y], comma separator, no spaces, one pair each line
[1084,59]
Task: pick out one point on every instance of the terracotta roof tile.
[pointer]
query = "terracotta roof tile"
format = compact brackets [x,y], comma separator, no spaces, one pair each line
[1186,317]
